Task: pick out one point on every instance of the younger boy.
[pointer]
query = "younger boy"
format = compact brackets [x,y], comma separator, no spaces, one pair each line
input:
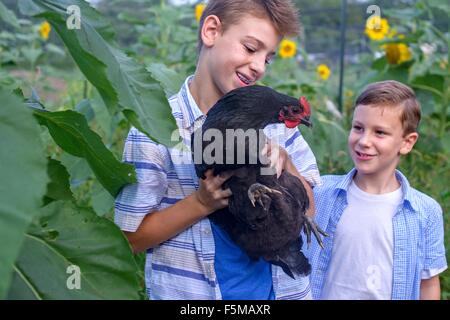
[386,238]
[166,212]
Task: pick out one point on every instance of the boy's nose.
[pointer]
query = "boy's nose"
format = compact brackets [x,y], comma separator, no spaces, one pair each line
[258,66]
[364,140]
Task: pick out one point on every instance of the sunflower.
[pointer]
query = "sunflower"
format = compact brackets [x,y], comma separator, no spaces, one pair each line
[288,49]
[199,8]
[377,28]
[44,30]
[323,71]
[397,53]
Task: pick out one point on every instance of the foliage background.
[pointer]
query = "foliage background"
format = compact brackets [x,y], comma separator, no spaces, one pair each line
[148,53]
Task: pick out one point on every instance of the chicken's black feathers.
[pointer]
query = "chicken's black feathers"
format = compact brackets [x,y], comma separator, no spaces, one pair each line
[265,215]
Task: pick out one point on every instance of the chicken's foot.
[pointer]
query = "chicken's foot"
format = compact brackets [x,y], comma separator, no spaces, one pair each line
[258,192]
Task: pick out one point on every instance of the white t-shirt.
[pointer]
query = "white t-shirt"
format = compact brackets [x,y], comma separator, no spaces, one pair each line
[362,254]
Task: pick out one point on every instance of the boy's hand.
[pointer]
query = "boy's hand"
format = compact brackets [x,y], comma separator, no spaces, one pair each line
[210,193]
[277,156]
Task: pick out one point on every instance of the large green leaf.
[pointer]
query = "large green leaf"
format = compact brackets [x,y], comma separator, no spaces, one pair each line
[71,132]
[64,239]
[24,179]
[122,83]
[439,4]
[101,200]
[8,16]
[78,169]
[430,82]
[333,153]
[59,187]
[169,79]
[405,14]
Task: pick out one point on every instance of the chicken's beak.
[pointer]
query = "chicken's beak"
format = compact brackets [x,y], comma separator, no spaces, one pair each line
[306,122]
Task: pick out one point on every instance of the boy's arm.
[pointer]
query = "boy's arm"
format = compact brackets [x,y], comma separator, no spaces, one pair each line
[297,147]
[292,169]
[434,253]
[159,226]
[137,207]
[430,289]
[281,160]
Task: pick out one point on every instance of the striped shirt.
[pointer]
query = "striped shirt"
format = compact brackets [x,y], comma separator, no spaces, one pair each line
[183,267]
[418,231]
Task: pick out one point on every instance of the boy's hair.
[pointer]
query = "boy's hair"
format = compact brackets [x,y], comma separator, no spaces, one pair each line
[282,13]
[392,93]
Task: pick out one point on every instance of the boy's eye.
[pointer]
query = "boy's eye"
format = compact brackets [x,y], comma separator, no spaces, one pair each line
[250,49]
[380,133]
[269,60]
[357,128]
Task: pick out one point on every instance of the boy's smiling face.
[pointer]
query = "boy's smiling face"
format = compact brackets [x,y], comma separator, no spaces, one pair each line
[238,56]
[377,140]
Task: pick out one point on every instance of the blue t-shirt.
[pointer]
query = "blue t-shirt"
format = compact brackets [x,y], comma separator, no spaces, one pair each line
[239,277]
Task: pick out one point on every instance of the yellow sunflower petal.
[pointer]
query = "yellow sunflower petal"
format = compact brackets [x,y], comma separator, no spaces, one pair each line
[199,8]
[377,28]
[288,49]
[44,30]
[323,71]
[397,53]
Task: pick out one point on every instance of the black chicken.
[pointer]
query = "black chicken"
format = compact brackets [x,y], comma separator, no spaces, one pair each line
[265,215]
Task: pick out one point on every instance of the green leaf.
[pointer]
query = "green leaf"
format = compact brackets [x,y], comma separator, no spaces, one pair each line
[78,169]
[379,64]
[85,108]
[427,103]
[58,187]
[335,150]
[429,82]
[405,14]
[439,4]
[130,19]
[169,79]
[55,49]
[64,235]
[24,179]
[395,72]
[31,54]
[122,83]
[102,201]
[8,16]
[71,132]
[419,69]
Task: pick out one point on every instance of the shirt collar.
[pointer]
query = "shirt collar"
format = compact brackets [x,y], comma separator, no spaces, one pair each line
[344,184]
[190,109]
[406,189]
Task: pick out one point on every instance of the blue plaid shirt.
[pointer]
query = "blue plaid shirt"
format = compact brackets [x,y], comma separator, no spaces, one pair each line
[418,230]
[183,267]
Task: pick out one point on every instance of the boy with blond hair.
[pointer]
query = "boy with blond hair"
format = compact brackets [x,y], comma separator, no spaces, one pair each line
[165,213]
[386,239]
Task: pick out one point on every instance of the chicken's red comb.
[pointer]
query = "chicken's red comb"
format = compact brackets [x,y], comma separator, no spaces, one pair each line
[305,104]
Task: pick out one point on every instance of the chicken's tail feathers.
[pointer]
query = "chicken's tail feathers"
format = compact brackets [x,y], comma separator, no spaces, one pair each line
[293,263]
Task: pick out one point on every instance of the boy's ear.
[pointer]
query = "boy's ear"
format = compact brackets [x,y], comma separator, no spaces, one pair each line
[408,142]
[211,29]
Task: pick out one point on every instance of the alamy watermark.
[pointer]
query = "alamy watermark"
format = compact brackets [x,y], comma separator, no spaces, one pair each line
[74,280]
[234,146]
[375,16]
[373,281]
[74,19]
